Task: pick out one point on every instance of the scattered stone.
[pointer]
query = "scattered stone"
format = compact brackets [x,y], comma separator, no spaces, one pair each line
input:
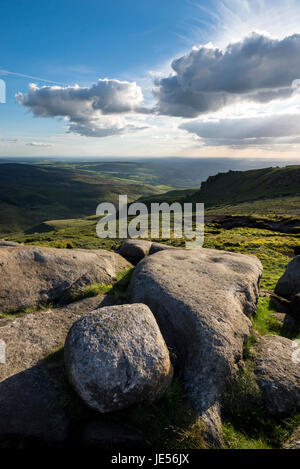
[277,370]
[289,284]
[30,275]
[135,249]
[116,356]
[201,299]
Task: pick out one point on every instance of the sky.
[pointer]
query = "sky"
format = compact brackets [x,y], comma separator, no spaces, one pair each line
[150,78]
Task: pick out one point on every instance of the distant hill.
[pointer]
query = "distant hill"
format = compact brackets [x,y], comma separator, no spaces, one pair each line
[235,187]
[259,191]
[31,194]
[177,195]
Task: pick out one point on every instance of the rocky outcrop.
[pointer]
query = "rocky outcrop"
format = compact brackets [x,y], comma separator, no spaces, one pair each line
[289,284]
[277,370]
[30,275]
[134,250]
[201,300]
[116,356]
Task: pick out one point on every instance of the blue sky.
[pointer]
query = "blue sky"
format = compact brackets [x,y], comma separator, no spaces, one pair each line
[57,44]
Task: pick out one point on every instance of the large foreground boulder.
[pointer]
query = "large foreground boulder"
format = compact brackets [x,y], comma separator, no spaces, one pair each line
[31,275]
[289,283]
[116,356]
[278,373]
[201,300]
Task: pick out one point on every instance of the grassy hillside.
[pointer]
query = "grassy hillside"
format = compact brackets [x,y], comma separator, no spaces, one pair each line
[31,194]
[159,173]
[237,187]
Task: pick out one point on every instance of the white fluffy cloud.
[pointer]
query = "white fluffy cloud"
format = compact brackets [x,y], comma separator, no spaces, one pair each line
[257,68]
[242,132]
[90,111]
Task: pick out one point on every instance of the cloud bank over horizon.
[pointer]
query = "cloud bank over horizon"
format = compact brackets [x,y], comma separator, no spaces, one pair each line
[246,75]
[257,68]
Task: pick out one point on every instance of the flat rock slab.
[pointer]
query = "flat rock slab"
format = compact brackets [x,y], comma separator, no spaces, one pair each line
[277,369]
[201,300]
[29,399]
[30,275]
[116,356]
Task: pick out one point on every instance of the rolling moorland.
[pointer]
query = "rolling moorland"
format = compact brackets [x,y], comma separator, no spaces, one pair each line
[251,212]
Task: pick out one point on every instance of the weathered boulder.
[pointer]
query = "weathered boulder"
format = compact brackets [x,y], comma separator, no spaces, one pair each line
[277,370]
[116,356]
[135,249]
[31,275]
[294,441]
[201,299]
[289,283]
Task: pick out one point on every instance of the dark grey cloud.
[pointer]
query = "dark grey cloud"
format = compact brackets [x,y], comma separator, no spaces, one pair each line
[243,132]
[88,110]
[257,68]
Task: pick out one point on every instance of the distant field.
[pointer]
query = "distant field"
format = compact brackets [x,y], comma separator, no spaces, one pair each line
[30,194]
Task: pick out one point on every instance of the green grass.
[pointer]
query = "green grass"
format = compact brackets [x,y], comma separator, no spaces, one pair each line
[32,194]
[246,424]
[274,250]
[93,289]
[235,439]
[168,423]
[263,322]
[29,310]
[118,290]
